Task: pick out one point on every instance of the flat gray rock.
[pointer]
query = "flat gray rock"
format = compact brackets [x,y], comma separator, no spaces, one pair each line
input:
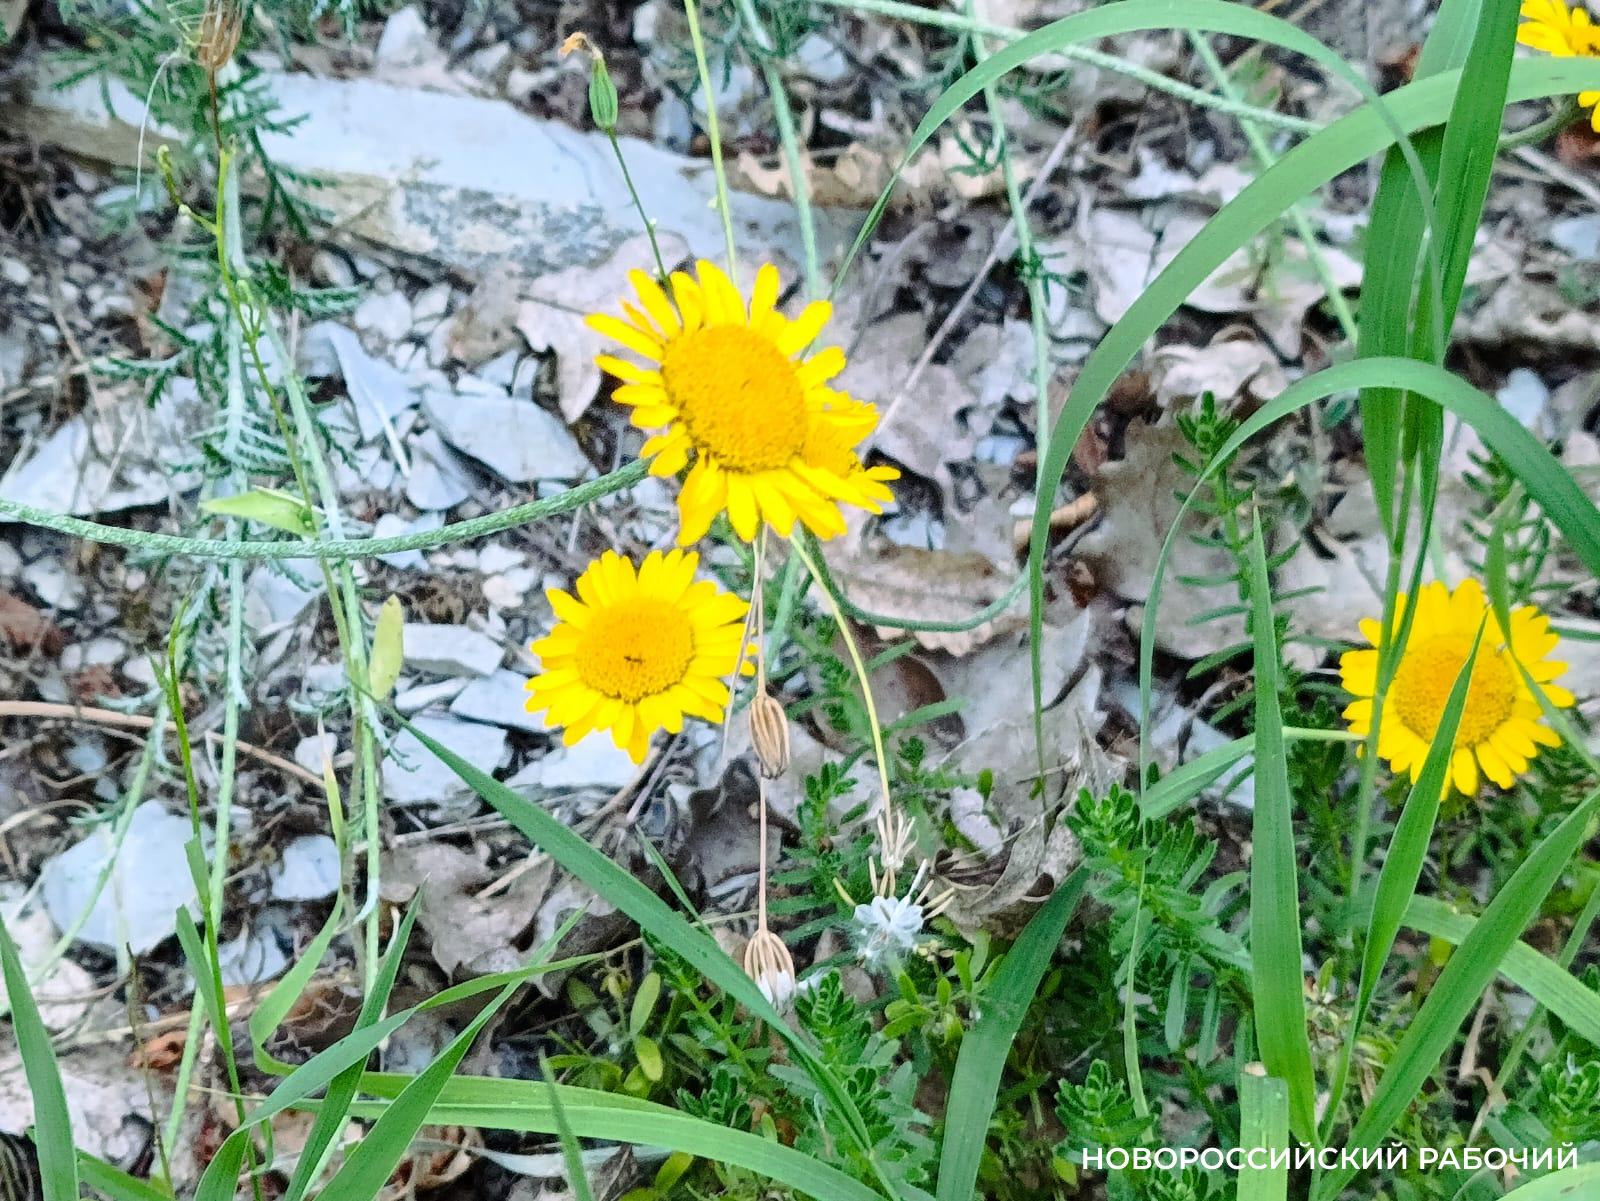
[467,182]
[413,775]
[516,439]
[308,870]
[499,699]
[105,461]
[150,880]
[449,650]
[438,480]
[379,391]
[592,762]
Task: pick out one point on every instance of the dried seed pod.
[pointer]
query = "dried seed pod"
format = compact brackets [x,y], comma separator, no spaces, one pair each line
[767,961]
[221,26]
[769,734]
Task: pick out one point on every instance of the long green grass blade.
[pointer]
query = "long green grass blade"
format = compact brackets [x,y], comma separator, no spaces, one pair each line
[524,1105]
[1263,1126]
[281,998]
[571,1152]
[1461,984]
[1402,866]
[1541,977]
[113,1182]
[52,1124]
[378,1154]
[1571,1184]
[985,1048]
[1277,956]
[654,917]
[1187,781]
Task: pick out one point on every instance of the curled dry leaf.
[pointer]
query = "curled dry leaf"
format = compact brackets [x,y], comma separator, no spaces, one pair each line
[930,585]
[1227,369]
[1139,500]
[473,934]
[551,315]
[857,175]
[23,627]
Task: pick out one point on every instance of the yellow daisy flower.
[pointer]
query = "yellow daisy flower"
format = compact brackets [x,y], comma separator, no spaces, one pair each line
[1501,728]
[635,651]
[733,385]
[1551,26]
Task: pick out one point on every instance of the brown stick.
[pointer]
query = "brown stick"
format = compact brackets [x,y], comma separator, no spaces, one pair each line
[137,721]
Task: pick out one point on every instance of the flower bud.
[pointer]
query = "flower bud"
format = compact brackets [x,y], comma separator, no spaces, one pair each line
[603,102]
[769,734]
[767,961]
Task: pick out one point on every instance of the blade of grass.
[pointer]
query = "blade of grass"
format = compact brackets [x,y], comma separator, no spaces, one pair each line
[111,1180]
[1461,158]
[1402,866]
[378,1154]
[524,1105]
[654,917]
[283,995]
[1187,781]
[1536,974]
[1569,1184]
[571,1153]
[985,1048]
[1461,984]
[52,1123]
[1276,955]
[1263,1125]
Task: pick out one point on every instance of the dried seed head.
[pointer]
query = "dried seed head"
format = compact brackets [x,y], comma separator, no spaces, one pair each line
[221,26]
[767,961]
[769,734]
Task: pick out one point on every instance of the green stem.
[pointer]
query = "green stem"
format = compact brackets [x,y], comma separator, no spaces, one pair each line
[649,225]
[333,549]
[1153,80]
[789,141]
[1562,115]
[713,132]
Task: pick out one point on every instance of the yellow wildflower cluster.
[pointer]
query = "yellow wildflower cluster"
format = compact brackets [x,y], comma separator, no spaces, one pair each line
[732,391]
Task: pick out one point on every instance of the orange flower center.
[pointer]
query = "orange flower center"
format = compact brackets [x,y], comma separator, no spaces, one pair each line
[1422,686]
[635,649]
[739,397]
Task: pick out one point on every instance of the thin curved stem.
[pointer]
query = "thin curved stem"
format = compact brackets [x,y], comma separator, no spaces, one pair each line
[1154,80]
[327,549]
[713,132]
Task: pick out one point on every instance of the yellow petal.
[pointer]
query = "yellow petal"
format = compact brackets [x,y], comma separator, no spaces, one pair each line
[630,336]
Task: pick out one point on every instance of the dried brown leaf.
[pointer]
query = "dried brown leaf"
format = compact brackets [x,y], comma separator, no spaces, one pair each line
[930,585]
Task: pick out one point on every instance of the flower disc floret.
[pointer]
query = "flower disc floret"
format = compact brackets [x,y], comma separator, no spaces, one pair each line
[1501,726]
[733,392]
[638,649]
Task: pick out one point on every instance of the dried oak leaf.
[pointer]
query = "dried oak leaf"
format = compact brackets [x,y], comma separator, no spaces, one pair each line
[930,585]
[25,627]
[1139,501]
[551,315]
